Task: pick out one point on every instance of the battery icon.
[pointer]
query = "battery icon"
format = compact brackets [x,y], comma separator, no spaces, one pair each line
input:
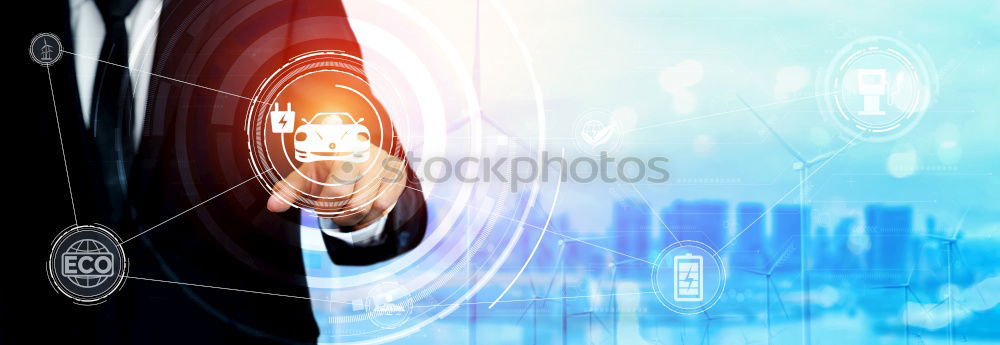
[688,274]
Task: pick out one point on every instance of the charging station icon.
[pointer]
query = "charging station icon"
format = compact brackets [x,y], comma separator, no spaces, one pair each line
[282,121]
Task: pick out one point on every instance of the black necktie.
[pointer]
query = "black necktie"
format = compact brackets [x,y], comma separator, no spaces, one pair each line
[112,108]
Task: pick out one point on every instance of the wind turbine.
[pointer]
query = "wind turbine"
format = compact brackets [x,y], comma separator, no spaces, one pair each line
[770,286]
[614,297]
[533,307]
[477,85]
[539,301]
[802,165]
[590,322]
[907,292]
[708,323]
[950,243]
[561,266]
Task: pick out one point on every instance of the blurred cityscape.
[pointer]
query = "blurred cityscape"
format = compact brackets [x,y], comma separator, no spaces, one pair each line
[882,277]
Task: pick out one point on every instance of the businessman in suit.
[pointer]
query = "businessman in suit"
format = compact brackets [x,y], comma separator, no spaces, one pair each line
[156,146]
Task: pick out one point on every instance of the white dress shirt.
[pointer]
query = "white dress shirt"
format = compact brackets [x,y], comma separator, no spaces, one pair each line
[141,26]
[88,37]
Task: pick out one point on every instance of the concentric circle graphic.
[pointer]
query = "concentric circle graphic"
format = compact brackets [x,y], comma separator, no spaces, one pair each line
[688,277]
[45,49]
[878,86]
[388,305]
[318,107]
[596,131]
[473,227]
[87,263]
[410,93]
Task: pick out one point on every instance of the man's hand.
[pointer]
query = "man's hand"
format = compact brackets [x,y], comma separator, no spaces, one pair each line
[357,196]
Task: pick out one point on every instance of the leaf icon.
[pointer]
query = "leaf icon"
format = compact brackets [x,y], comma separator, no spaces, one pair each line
[604,135]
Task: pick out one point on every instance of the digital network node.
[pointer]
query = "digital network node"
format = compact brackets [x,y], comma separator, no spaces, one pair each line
[597,131]
[688,277]
[87,263]
[45,49]
[388,305]
[288,130]
[877,86]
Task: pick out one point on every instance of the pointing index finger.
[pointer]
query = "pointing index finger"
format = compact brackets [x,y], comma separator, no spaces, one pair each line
[286,191]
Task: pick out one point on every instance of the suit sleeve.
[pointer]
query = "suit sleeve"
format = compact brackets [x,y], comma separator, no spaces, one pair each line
[404,229]
[406,224]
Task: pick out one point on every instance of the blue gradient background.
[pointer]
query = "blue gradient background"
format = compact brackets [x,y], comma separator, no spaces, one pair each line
[873,211]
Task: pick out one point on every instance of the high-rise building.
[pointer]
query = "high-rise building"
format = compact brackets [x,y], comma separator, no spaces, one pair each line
[632,228]
[704,221]
[748,249]
[845,248]
[890,230]
[786,230]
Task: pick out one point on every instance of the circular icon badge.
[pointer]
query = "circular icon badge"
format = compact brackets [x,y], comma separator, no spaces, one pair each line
[877,86]
[688,277]
[87,263]
[597,131]
[45,49]
[388,305]
[316,120]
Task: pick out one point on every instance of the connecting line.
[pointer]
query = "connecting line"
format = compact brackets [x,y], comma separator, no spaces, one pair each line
[164,77]
[597,246]
[195,206]
[540,299]
[537,243]
[728,112]
[546,230]
[237,290]
[657,215]
[62,148]
[799,185]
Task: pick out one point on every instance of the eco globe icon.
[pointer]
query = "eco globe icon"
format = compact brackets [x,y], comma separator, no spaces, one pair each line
[87,263]
[103,265]
[597,132]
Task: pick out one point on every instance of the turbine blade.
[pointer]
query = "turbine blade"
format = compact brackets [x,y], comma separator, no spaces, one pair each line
[780,301]
[774,133]
[525,312]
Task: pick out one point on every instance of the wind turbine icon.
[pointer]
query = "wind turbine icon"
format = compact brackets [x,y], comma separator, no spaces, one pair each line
[46,50]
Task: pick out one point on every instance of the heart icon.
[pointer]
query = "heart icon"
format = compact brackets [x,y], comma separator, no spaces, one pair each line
[595,133]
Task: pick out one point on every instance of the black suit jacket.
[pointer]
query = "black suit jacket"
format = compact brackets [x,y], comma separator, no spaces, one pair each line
[193,148]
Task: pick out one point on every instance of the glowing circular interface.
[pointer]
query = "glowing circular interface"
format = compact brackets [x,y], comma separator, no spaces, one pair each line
[87,263]
[45,49]
[597,131]
[316,121]
[688,277]
[388,305]
[877,86]
[412,75]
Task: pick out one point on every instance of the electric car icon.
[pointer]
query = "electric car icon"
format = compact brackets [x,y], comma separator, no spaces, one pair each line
[332,137]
